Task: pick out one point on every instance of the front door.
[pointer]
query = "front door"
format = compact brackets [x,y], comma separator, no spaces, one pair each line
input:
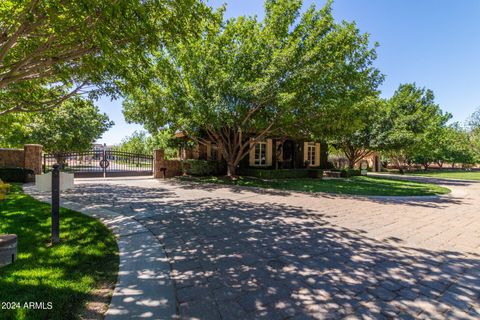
[288,154]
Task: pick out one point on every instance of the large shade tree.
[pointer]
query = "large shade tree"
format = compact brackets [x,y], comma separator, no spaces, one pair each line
[243,80]
[73,127]
[410,114]
[359,139]
[51,50]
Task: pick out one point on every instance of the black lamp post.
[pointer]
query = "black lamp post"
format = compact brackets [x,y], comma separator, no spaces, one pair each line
[56,204]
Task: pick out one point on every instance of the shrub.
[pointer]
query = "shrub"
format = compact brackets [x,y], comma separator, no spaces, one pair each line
[205,168]
[17,175]
[281,173]
[315,173]
[347,173]
[330,165]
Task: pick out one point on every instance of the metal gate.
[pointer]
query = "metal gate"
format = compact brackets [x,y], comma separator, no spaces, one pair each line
[101,163]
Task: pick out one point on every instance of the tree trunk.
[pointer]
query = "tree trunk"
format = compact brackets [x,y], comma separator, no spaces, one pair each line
[453,165]
[351,163]
[400,167]
[231,170]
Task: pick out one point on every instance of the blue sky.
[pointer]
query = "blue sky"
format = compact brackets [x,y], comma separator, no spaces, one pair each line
[435,43]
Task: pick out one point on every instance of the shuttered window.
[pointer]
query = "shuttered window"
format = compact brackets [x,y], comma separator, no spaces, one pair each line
[260,153]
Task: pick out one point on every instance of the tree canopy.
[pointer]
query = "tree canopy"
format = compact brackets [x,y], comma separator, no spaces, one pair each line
[73,127]
[141,143]
[245,79]
[51,50]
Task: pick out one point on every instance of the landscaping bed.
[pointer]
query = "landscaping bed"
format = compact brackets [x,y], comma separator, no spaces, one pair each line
[367,186]
[76,276]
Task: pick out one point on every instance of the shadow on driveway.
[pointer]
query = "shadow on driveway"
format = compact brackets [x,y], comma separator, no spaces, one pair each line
[239,260]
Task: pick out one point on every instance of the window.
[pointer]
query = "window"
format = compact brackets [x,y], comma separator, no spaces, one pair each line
[311,154]
[260,153]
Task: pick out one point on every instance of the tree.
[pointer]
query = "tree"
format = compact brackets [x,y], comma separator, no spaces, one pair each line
[243,80]
[142,143]
[13,133]
[409,114]
[458,147]
[433,144]
[73,127]
[473,124]
[474,120]
[358,141]
[52,50]
[135,143]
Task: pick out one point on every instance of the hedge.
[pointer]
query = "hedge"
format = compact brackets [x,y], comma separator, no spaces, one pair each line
[347,173]
[16,175]
[205,168]
[281,173]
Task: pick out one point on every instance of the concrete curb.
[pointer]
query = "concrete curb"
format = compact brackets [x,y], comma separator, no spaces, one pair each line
[144,288]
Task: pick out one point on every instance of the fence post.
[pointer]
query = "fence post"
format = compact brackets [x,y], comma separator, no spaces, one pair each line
[32,157]
[56,204]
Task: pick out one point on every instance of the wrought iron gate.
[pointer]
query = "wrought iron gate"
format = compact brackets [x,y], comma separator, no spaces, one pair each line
[101,163]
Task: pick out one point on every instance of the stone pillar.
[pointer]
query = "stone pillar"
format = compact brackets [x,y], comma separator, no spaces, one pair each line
[32,157]
[158,162]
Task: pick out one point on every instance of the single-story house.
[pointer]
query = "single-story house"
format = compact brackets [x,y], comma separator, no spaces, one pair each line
[272,153]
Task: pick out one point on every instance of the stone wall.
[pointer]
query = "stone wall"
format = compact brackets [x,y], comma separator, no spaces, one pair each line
[30,158]
[33,157]
[11,158]
[165,168]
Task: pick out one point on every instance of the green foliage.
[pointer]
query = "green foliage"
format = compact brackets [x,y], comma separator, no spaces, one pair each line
[474,133]
[410,117]
[135,143]
[347,173]
[13,133]
[164,140]
[142,143]
[474,137]
[205,168]
[74,127]
[280,173]
[16,174]
[315,173]
[357,142]
[52,50]
[243,79]
[66,274]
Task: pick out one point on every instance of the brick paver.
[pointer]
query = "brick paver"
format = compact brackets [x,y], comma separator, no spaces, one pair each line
[239,253]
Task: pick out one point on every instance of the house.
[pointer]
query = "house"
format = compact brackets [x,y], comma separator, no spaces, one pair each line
[272,153]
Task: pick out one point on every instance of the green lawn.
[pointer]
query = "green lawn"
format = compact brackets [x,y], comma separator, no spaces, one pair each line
[66,274]
[353,186]
[449,174]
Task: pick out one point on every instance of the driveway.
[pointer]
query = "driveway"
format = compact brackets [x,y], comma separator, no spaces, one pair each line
[240,253]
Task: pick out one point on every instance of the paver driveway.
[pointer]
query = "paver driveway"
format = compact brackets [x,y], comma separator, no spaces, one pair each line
[239,253]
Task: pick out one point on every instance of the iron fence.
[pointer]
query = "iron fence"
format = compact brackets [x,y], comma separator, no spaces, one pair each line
[96,163]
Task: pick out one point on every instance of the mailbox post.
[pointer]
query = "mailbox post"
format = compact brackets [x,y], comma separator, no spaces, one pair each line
[56,204]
